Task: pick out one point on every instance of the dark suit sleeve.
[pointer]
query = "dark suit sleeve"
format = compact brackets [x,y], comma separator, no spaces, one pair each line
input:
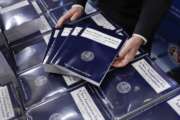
[151,13]
[81,2]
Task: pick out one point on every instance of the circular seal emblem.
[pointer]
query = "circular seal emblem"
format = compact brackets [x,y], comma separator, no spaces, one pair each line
[123,87]
[40,81]
[55,116]
[87,56]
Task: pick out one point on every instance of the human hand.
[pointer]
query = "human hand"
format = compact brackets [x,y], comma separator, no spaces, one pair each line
[74,13]
[128,52]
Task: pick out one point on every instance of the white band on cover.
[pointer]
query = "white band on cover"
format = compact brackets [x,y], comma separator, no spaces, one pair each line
[142,37]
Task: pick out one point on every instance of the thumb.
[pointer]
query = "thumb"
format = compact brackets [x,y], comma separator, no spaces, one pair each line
[64,18]
[124,50]
[75,16]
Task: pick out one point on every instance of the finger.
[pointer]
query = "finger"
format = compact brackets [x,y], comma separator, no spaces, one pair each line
[75,16]
[121,63]
[124,50]
[126,60]
[117,61]
[64,18]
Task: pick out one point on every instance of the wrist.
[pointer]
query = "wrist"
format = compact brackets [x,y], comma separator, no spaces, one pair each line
[140,36]
[137,40]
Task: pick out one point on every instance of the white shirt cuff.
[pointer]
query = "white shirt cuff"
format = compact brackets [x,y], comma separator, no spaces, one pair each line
[77,5]
[142,37]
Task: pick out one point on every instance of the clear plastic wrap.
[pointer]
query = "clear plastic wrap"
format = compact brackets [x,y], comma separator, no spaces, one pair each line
[29,51]
[22,20]
[6,72]
[38,85]
[167,110]
[128,89]
[78,104]
[7,3]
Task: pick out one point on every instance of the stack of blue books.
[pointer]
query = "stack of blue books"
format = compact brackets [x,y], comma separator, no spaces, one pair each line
[123,94]
[21,19]
[84,49]
[16,19]
[128,89]
[6,73]
[81,52]
[167,110]
[29,51]
[78,104]
[37,85]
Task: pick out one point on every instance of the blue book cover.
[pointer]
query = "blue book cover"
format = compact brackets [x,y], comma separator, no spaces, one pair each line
[79,104]
[6,3]
[95,46]
[29,53]
[169,110]
[16,17]
[6,72]
[129,88]
[10,104]
[67,31]
[76,25]
[50,42]
[60,35]
[2,36]
[6,55]
[38,85]
[53,45]
[58,44]
[94,19]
